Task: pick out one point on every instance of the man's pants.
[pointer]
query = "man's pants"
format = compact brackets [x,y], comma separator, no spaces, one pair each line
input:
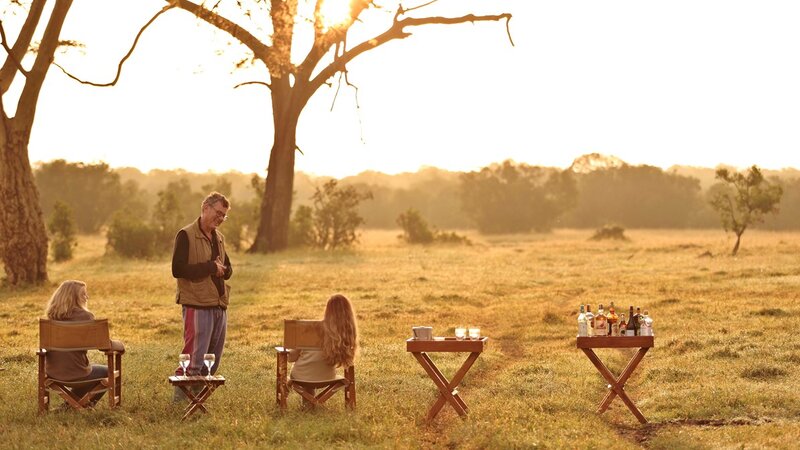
[203,332]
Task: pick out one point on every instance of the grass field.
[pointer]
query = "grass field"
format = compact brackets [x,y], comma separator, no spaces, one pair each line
[723,373]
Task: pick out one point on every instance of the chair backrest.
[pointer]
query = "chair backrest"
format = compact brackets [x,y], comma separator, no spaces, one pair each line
[61,335]
[302,334]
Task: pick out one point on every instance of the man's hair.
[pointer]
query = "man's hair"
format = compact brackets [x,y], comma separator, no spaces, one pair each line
[214,198]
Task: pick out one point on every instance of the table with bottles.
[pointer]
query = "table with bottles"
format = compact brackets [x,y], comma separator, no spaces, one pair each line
[606,330]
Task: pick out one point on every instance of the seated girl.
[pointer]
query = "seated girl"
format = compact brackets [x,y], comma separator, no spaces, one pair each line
[69,303]
[339,346]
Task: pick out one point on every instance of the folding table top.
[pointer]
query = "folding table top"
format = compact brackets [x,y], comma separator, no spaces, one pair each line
[614,341]
[446,344]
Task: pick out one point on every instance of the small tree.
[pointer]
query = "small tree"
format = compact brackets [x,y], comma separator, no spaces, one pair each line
[335,216]
[62,230]
[745,200]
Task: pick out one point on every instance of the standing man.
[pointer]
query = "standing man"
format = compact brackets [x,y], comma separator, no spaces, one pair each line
[201,265]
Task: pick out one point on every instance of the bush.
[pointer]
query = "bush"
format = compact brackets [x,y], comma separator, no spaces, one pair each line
[415,228]
[129,236]
[417,231]
[62,231]
[334,216]
[610,232]
[301,228]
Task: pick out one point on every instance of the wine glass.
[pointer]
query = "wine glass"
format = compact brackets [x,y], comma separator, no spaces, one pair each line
[208,360]
[461,332]
[183,360]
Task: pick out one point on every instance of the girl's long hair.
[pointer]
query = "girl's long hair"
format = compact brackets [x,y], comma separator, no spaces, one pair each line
[70,295]
[339,344]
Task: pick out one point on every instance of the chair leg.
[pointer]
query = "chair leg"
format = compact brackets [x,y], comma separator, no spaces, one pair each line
[111,383]
[350,389]
[43,394]
[118,363]
[281,386]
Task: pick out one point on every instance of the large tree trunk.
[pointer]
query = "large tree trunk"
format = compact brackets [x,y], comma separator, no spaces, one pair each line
[23,241]
[276,205]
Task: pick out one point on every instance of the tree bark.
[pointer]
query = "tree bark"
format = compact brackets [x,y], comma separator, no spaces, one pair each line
[23,241]
[736,246]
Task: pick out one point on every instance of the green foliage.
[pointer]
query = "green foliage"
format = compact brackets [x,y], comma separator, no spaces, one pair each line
[510,198]
[334,215]
[636,197]
[62,232]
[131,237]
[93,192]
[415,228]
[744,199]
[416,231]
[168,218]
[614,232]
[301,228]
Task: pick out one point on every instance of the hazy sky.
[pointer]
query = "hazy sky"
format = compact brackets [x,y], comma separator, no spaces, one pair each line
[693,82]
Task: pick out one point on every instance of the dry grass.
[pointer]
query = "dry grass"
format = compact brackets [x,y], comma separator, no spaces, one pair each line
[722,375]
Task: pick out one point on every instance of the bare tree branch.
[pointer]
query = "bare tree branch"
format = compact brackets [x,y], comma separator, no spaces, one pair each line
[9,69]
[124,58]
[10,52]
[396,31]
[253,82]
[403,11]
[260,50]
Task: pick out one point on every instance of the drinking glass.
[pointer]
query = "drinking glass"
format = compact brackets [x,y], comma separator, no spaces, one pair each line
[208,360]
[474,333]
[461,332]
[183,360]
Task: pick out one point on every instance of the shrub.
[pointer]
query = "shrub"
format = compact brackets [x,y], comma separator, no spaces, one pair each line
[610,232]
[334,216]
[301,228]
[415,228]
[62,230]
[129,236]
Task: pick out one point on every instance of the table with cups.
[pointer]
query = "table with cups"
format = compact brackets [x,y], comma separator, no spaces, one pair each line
[467,339]
[188,383]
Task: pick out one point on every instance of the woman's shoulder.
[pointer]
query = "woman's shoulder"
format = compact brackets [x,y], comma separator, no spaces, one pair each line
[80,314]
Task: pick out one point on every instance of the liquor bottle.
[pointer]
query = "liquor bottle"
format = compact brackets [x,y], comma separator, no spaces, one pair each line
[600,322]
[613,321]
[647,324]
[637,322]
[622,324]
[630,327]
[582,327]
[590,320]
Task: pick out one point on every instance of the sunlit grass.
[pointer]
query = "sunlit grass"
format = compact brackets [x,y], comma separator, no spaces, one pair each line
[726,345]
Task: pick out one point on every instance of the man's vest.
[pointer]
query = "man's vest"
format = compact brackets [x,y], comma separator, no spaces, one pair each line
[201,291]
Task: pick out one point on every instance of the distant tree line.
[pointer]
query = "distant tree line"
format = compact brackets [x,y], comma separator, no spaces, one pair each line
[504,197]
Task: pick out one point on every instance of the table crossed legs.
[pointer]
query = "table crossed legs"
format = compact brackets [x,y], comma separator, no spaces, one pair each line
[616,385]
[196,401]
[448,392]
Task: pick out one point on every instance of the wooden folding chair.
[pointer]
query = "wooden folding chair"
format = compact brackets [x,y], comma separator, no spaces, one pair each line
[307,335]
[60,336]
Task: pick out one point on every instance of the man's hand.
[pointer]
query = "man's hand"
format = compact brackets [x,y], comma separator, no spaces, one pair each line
[220,267]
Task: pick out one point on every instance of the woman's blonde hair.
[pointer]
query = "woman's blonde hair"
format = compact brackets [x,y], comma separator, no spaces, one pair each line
[339,344]
[70,295]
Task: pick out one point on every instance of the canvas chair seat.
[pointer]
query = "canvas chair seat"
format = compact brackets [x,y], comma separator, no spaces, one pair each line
[78,336]
[306,335]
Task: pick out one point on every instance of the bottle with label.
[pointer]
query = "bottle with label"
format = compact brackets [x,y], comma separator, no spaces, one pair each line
[622,324]
[647,324]
[630,327]
[613,321]
[600,322]
[589,320]
[637,322]
[583,329]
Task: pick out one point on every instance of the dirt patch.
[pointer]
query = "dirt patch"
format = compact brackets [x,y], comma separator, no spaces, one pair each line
[643,434]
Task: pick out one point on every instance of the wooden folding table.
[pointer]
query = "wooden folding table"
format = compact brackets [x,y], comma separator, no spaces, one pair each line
[186,383]
[447,389]
[616,385]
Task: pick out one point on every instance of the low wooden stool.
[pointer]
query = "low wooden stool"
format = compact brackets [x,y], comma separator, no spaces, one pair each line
[185,384]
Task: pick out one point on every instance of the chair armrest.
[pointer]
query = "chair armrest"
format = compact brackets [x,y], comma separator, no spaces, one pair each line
[281,349]
[41,352]
[116,347]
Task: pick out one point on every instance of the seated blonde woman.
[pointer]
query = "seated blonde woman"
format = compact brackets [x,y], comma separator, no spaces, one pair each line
[69,303]
[339,346]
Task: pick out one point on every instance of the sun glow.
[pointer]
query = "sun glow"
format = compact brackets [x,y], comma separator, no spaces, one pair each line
[335,12]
